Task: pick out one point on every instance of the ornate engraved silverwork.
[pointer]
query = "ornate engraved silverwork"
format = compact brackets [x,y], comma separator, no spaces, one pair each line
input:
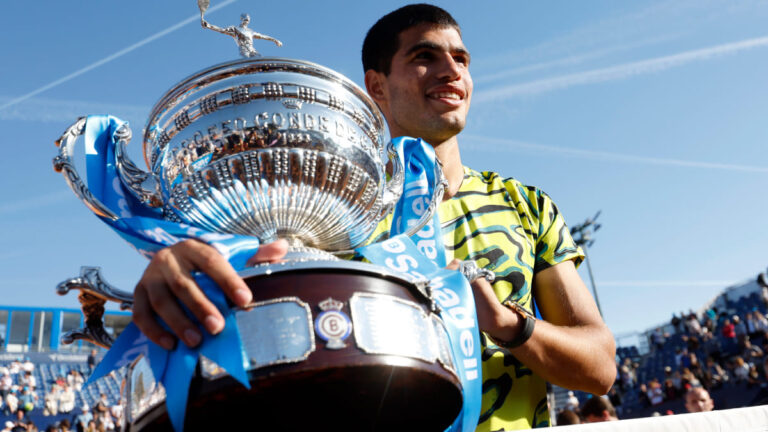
[94,292]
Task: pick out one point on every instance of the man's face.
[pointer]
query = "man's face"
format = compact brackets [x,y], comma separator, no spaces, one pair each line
[428,89]
[699,401]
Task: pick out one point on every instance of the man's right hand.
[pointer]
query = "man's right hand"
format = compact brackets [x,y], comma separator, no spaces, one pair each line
[167,281]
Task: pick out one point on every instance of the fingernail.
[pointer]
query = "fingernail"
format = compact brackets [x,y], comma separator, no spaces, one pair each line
[213,324]
[167,342]
[192,337]
[242,297]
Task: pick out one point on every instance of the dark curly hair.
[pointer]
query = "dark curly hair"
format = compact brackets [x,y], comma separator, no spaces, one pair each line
[383,39]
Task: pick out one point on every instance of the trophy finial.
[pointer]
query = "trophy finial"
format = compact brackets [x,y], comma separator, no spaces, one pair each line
[243,35]
[203,5]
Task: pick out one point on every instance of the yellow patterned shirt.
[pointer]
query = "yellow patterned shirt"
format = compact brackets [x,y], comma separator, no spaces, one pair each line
[515,231]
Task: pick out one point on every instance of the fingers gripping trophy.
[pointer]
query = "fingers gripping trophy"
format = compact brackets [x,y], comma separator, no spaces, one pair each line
[245,153]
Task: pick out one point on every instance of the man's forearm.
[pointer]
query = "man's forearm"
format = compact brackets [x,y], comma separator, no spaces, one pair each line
[577,358]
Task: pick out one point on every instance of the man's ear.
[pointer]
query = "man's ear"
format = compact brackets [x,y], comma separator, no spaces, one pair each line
[374,83]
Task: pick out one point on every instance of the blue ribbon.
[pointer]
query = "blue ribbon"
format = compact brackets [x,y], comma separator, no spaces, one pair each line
[144,228]
[427,254]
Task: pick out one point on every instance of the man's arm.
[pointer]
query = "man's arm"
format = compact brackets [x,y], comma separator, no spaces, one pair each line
[571,346]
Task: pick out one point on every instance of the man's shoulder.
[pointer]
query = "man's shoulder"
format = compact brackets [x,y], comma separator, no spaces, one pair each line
[523,195]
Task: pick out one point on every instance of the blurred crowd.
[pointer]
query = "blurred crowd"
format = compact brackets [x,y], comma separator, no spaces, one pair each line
[21,397]
[693,356]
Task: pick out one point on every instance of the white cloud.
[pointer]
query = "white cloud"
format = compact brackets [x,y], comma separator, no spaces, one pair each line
[510,144]
[35,202]
[58,111]
[617,72]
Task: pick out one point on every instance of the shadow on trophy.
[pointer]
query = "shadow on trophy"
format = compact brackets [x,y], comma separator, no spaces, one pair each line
[273,148]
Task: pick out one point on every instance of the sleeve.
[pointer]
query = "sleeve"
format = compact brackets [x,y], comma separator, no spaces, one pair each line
[554,243]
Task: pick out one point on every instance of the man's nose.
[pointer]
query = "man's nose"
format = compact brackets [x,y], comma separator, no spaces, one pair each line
[449,68]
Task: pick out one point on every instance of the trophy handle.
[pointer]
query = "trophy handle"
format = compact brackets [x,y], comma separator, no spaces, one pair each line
[141,184]
[63,163]
[394,186]
[94,293]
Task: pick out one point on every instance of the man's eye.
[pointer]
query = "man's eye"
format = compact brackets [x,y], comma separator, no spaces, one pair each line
[423,55]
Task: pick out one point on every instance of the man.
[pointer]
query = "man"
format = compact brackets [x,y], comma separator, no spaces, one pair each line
[697,400]
[82,419]
[92,360]
[416,69]
[598,409]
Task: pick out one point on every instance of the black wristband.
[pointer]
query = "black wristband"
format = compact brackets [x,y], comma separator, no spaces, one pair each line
[529,321]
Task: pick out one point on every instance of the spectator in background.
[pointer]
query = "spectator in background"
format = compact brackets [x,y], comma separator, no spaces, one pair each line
[11,401]
[675,322]
[28,366]
[598,409]
[615,398]
[657,339]
[645,399]
[64,425]
[761,322]
[83,419]
[28,380]
[751,352]
[102,405]
[27,400]
[698,400]
[14,367]
[567,417]
[655,392]
[739,328]
[728,330]
[66,399]
[92,361]
[51,401]
[692,322]
[740,369]
[571,403]
[6,382]
[690,379]
[715,374]
[117,413]
[8,426]
[77,380]
[21,421]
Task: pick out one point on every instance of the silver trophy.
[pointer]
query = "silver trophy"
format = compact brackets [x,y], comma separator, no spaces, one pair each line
[278,148]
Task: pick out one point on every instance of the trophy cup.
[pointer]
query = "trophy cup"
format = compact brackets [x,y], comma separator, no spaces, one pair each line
[279,148]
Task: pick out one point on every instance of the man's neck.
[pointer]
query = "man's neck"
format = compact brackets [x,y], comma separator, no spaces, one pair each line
[448,154]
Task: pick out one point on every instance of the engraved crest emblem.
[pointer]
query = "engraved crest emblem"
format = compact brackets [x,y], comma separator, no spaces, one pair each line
[333,325]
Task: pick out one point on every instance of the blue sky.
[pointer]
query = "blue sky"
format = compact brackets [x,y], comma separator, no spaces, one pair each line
[653,112]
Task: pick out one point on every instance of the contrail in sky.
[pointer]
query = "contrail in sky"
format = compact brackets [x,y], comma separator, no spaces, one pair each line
[111,57]
[617,72]
[704,283]
[35,202]
[594,154]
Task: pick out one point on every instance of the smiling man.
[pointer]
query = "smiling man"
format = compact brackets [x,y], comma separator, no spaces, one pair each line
[417,70]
